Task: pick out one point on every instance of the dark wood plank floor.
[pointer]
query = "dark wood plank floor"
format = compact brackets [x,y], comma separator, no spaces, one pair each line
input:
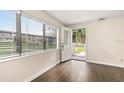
[78,71]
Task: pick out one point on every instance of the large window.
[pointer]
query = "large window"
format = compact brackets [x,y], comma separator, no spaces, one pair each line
[32,35]
[7,33]
[50,37]
[21,34]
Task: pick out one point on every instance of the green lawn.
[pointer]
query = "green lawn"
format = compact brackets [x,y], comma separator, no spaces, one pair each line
[77,50]
[8,48]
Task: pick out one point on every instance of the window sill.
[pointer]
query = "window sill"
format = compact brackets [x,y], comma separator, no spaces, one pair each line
[7,59]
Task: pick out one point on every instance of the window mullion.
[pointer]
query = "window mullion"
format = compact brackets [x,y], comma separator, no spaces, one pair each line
[44,36]
[18,34]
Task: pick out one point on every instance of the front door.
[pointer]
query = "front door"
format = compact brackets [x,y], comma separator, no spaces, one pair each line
[66,44]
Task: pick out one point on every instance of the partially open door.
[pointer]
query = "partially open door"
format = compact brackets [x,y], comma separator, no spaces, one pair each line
[66,44]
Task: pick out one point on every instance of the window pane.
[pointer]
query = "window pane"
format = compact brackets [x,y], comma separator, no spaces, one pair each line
[32,35]
[7,33]
[50,37]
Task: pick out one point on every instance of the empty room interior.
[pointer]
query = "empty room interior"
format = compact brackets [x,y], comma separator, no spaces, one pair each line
[61,45]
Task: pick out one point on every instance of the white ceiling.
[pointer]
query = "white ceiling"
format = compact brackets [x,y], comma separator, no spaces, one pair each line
[80,16]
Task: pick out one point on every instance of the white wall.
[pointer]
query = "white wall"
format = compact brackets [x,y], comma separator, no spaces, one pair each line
[27,68]
[105,41]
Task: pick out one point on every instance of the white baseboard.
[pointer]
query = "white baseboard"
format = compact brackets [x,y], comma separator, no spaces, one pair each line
[39,73]
[105,63]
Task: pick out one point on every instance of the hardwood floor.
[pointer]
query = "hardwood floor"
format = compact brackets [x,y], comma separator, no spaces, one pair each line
[78,71]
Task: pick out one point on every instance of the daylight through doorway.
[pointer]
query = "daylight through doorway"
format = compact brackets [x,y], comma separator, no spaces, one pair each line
[79,42]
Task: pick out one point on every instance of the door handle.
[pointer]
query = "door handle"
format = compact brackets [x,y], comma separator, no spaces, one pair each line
[62,46]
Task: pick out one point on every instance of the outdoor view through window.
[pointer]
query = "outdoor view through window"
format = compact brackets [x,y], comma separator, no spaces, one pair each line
[51,34]
[7,33]
[34,35]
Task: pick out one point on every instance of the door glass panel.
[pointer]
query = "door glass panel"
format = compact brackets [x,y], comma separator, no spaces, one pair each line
[66,41]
